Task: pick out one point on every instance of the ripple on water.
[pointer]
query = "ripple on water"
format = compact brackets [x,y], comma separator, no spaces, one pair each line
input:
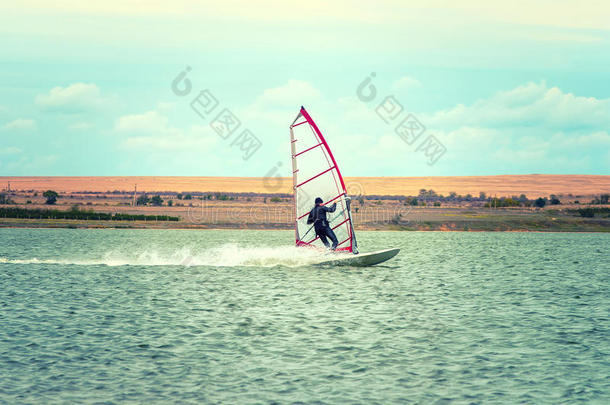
[109,316]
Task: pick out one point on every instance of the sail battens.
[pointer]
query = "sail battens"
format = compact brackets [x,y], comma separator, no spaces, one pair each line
[316,174]
[341,243]
[333,199]
[336,226]
[308,149]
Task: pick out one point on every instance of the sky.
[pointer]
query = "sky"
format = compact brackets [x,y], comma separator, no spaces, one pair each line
[399,88]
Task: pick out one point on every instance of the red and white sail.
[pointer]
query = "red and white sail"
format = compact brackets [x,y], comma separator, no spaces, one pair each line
[315,174]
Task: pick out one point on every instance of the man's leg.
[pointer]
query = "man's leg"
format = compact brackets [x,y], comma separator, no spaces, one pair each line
[332,236]
[323,238]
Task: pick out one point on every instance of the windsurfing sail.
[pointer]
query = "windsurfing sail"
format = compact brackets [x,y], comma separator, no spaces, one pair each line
[315,173]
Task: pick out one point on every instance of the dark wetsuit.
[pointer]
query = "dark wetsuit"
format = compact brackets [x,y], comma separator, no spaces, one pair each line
[317,217]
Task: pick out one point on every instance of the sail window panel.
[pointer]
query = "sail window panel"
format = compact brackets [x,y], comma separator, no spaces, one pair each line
[311,164]
[305,138]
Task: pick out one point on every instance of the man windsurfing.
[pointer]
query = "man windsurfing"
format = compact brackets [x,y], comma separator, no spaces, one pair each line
[317,217]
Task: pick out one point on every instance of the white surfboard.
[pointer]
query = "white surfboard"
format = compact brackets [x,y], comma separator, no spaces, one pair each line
[361,259]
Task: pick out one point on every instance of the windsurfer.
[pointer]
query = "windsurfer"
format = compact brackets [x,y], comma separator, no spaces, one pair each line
[317,217]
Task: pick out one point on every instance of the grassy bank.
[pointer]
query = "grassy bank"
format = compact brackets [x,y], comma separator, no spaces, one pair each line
[414,220]
[75,214]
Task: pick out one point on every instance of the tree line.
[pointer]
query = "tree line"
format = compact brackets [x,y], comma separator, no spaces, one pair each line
[76,214]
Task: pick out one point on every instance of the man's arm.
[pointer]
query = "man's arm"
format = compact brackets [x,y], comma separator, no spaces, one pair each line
[331,209]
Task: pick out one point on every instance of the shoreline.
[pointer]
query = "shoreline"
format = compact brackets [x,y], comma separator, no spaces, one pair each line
[540,225]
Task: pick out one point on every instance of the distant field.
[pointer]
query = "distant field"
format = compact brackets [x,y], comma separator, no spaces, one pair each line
[531,185]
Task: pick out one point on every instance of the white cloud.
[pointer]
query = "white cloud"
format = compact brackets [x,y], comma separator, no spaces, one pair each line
[150,122]
[31,165]
[530,128]
[76,97]
[20,124]
[165,106]
[152,131]
[291,95]
[276,107]
[405,83]
[180,142]
[10,150]
[530,105]
[80,126]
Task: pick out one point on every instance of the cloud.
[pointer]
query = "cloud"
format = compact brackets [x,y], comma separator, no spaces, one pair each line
[405,82]
[150,122]
[529,105]
[20,124]
[151,130]
[10,150]
[77,97]
[179,143]
[80,126]
[276,107]
[292,94]
[31,165]
[532,128]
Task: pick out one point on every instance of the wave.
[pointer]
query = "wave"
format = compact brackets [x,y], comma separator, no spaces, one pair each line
[228,255]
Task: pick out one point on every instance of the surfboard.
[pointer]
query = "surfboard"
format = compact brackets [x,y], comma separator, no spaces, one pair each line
[315,173]
[361,259]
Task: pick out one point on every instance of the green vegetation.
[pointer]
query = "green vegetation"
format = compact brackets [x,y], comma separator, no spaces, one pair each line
[275,199]
[142,200]
[51,197]
[603,199]
[502,203]
[188,197]
[76,214]
[156,201]
[554,200]
[540,202]
[590,212]
[224,197]
[4,199]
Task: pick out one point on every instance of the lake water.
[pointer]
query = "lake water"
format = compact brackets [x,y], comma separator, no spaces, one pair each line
[158,316]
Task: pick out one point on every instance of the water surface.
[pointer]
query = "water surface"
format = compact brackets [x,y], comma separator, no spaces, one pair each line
[156,316]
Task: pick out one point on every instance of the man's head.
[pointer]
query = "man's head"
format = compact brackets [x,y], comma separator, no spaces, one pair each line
[319,201]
